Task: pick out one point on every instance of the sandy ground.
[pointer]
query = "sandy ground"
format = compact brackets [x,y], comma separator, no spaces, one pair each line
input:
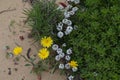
[11,28]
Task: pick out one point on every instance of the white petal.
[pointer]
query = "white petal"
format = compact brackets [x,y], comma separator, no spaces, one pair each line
[60,34]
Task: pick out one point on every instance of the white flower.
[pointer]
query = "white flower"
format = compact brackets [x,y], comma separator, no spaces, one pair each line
[59,50]
[69,22]
[67,57]
[67,66]
[60,34]
[76,1]
[71,12]
[57,58]
[55,47]
[66,14]
[74,69]
[62,55]
[74,9]
[69,51]
[60,26]
[61,66]
[64,21]
[69,29]
[64,45]
[70,77]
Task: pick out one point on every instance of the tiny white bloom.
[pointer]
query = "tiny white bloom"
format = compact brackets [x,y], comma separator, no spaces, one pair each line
[70,77]
[74,9]
[61,66]
[64,45]
[62,55]
[60,34]
[67,57]
[59,50]
[60,26]
[74,69]
[72,12]
[69,51]
[57,58]
[64,21]
[69,22]
[76,1]
[67,66]
[55,47]
[69,29]
[66,14]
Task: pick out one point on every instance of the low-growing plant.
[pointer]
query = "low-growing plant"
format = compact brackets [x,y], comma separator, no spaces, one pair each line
[96,40]
[43,18]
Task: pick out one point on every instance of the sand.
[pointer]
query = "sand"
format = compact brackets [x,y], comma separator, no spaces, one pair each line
[11,28]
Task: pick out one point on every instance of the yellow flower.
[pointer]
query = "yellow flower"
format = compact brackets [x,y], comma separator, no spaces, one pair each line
[73,64]
[17,50]
[46,42]
[43,53]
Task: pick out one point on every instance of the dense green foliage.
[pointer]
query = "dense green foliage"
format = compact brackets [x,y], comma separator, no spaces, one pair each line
[96,42]
[43,17]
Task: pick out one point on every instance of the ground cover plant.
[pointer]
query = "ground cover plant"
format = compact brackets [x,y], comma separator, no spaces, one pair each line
[81,38]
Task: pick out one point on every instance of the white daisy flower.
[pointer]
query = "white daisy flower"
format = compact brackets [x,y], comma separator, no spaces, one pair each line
[61,66]
[60,34]
[72,12]
[57,58]
[62,55]
[67,57]
[64,45]
[66,14]
[76,1]
[69,51]
[69,29]
[70,77]
[60,26]
[74,9]
[69,22]
[55,47]
[74,69]
[59,50]
[67,66]
[64,21]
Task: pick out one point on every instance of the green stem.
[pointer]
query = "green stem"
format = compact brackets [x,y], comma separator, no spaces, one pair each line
[28,60]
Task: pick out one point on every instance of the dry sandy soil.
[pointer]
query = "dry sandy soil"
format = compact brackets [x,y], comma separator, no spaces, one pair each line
[11,28]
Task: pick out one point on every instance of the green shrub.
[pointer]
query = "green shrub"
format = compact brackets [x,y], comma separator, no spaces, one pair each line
[43,18]
[96,41]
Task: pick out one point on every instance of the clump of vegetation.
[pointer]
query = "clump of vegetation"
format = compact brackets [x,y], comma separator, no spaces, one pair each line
[96,41]
[43,18]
